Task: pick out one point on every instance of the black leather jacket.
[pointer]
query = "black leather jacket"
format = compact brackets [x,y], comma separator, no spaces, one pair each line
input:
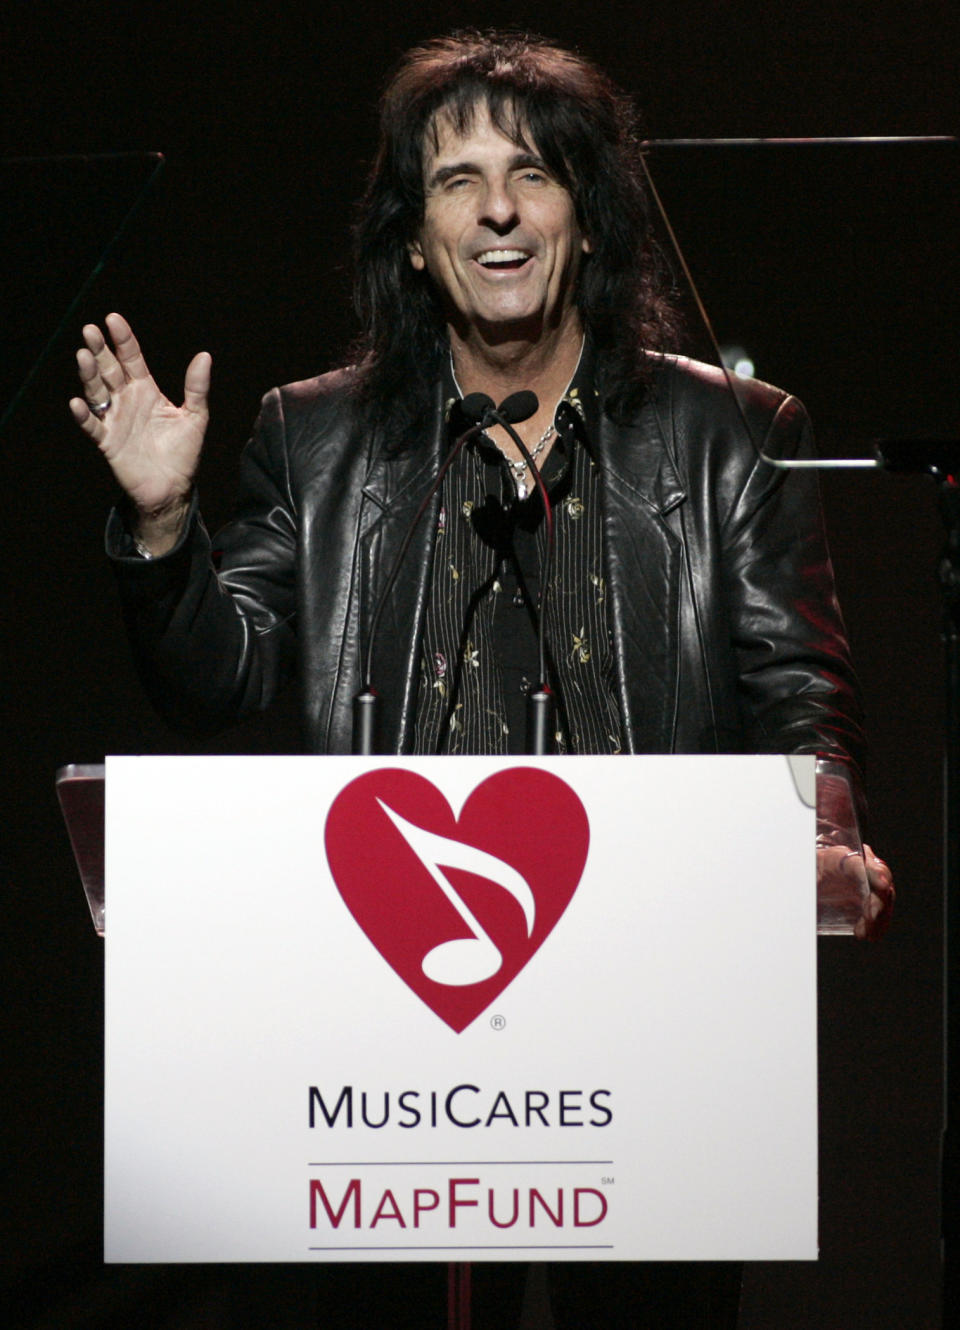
[725,625]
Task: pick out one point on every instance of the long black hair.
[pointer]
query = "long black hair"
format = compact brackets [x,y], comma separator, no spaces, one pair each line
[585,131]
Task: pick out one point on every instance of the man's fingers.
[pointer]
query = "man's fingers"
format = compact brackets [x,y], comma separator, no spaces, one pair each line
[127,347]
[882,895]
[93,339]
[840,859]
[108,367]
[196,383]
[121,363]
[878,872]
[85,418]
[875,920]
[94,388]
[876,864]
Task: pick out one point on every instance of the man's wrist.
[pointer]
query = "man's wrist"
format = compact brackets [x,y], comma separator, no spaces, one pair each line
[156,533]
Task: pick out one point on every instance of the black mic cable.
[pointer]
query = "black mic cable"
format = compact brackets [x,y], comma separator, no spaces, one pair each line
[540,702]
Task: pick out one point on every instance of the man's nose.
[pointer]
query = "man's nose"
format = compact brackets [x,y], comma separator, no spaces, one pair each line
[499,207]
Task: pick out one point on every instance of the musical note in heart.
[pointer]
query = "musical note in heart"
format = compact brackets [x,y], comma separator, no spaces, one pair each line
[462,960]
[457,906]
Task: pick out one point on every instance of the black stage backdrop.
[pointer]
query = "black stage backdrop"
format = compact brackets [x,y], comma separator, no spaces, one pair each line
[266,116]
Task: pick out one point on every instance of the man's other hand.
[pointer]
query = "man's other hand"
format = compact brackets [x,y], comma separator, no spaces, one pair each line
[153,447]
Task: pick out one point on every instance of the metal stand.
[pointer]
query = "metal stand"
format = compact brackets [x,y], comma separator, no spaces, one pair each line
[949,572]
[941,459]
[458,1295]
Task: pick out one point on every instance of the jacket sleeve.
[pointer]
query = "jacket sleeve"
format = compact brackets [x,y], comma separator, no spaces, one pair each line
[212,624]
[797,688]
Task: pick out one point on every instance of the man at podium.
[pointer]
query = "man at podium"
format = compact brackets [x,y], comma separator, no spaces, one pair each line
[505,246]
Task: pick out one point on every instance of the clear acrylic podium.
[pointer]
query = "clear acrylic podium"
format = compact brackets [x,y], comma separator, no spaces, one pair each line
[841,878]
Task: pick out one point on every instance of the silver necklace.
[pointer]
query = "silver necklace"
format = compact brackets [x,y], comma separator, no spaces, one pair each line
[519,468]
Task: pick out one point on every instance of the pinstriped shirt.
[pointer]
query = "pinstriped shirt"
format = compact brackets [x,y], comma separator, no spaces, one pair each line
[480,653]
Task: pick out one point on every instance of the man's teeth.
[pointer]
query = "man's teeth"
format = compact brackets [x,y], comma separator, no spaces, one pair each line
[502,256]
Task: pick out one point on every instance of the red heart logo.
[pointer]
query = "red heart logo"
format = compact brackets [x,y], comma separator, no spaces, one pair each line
[457,906]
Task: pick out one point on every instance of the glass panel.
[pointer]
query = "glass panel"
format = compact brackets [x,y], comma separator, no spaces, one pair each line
[820,262]
[61,219]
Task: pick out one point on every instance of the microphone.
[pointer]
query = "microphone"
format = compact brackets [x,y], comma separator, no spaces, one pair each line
[474,407]
[518,406]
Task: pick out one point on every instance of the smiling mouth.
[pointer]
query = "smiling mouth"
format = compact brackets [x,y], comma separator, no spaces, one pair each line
[503,260]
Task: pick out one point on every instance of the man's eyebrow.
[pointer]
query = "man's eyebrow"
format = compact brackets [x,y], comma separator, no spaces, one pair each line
[445,173]
[529,159]
[520,159]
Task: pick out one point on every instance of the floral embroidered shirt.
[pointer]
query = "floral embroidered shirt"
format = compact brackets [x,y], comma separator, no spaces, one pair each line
[480,655]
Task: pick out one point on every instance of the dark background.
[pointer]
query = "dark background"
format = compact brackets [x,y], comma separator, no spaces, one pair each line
[266,116]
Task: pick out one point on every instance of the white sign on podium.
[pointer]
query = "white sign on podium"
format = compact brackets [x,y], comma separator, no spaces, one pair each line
[460,1009]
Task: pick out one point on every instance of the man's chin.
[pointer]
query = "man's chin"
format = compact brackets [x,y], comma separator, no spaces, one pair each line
[497,331]
[504,329]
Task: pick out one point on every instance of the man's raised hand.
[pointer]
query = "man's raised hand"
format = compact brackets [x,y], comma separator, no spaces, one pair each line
[153,447]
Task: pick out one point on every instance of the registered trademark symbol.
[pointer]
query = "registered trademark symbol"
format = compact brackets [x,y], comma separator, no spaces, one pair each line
[497,1022]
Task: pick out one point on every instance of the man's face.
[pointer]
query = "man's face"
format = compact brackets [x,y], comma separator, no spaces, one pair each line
[500,237]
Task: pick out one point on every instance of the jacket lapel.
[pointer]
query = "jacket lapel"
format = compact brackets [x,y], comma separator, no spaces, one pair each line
[394,489]
[644,564]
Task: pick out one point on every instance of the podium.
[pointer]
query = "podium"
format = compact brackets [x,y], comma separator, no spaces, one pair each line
[451,1009]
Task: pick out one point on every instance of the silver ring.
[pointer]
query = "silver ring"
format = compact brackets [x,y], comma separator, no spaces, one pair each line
[100,409]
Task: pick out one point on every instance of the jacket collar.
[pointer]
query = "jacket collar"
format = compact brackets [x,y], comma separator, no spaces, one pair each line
[639,457]
[393,477]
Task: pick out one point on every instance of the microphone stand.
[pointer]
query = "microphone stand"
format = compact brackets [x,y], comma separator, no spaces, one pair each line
[941,459]
[540,703]
[540,711]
